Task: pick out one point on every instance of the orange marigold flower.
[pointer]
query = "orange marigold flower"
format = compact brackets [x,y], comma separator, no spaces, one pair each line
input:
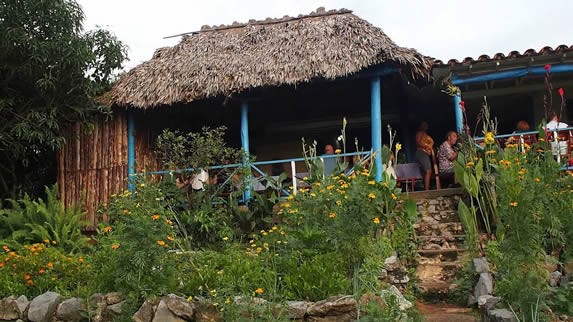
[46,241]
[107,229]
[27,277]
[53,242]
[376,220]
[536,179]
[2,264]
[42,271]
[155,217]
[332,215]
[169,222]
[81,259]
[160,243]
[125,211]
[50,265]
[513,203]
[259,290]
[13,254]
[29,282]
[115,246]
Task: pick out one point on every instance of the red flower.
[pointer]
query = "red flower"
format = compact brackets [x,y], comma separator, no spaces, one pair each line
[570,162]
[560,91]
[463,105]
[547,67]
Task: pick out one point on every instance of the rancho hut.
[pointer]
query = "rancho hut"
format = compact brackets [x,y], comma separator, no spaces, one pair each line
[270,82]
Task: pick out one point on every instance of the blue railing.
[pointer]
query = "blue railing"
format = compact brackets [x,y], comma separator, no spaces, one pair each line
[255,167]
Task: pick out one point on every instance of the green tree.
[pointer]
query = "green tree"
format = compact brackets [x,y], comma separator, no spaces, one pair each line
[50,72]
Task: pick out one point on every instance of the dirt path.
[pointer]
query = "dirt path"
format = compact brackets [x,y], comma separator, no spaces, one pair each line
[441,312]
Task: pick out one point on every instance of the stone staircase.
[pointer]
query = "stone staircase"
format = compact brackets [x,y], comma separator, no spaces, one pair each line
[441,241]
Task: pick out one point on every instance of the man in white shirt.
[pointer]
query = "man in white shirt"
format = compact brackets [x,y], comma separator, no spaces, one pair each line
[554,125]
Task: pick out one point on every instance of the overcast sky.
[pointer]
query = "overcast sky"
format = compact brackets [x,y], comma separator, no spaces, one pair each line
[439,28]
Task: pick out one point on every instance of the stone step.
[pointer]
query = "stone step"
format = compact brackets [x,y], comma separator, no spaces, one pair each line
[440,251]
[455,263]
[434,287]
[438,228]
[454,237]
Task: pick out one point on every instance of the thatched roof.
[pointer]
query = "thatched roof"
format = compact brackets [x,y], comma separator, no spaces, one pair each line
[222,60]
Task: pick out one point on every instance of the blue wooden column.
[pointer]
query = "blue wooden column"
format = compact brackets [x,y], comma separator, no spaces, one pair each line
[459,113]
[376,124]
[245,144]
[130,151]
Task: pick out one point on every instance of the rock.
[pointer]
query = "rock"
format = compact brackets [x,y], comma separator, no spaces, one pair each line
[113,298]
[488,302]
[22,304]
[206,312]
[471,300]
[383,274]
[332,306]
[564,281]
[8,309]
[432,246]
[180,306]
[484,285]
[391,263]
[501,315]
[96,298]
[399,276]
[245,300]
[402,302]
[115,308]
[294,310]
[345,317]
[481,265]
[163,314]
[43,307]
[555,278]
[70,310]
[145,312]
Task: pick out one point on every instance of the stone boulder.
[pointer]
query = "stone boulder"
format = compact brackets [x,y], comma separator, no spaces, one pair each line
[484,285]
[488,302]
[163,314]
[481,265]
[180,306]
[70,310]
[43,307]
[113,298]
[9,310]
[333,306]
[296,309]
[403,303]
[500,315]
[145,312]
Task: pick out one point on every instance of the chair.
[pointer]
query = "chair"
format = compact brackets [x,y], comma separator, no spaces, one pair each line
[408,173]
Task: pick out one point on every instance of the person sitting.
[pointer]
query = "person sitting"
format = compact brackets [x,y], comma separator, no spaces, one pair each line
[557,148]
[523,141]
[446,156]
[424,151]
[328,149]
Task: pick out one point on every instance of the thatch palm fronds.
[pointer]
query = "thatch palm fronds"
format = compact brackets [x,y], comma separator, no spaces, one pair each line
[230,59]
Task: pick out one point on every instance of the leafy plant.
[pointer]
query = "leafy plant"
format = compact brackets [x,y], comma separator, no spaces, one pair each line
[34,221]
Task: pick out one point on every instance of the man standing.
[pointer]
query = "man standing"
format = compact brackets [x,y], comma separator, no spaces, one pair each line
[425,147]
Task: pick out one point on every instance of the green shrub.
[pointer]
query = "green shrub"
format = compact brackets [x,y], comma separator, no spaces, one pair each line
[29,221]
[133,248]
[34,269]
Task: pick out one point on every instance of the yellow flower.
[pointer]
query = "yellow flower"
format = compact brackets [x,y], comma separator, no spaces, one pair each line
[372,182]
[259,249]
[489,138]
[337,151]
[142,185]
[338,203]
[259,290]
[53,242]
[290,197]
[489,152]
[536,179]
[371,195]
[394,197]
[46,241]
[81,259]
[50,264]
[329,187]
[224,238]
[274,228]
[107,229]
[312,194]
[469,164]
[13,254]
[160,243]
[115,246]
[398,147]
[265,233]
[376,220]
[155,217]
[171,238]
[169,222]
[332,215]
[125,211]
[513,203]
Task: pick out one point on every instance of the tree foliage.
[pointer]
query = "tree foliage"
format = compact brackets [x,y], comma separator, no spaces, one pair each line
[50,72]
